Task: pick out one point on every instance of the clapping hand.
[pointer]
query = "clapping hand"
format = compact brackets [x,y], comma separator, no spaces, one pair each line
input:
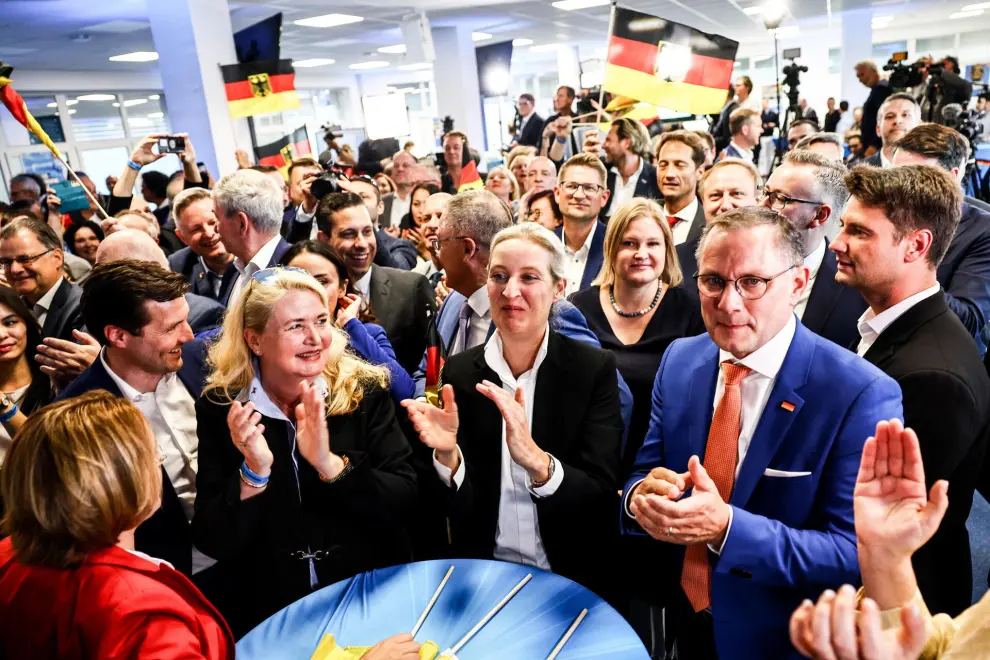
[437,427]
[522,448]
[312,434]
[248,436]
[348,307]
[63,360]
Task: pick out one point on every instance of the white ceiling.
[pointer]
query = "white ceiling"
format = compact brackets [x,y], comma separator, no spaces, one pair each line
[83,34]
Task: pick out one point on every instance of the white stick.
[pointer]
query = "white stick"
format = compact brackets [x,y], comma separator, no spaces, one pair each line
[567,635]
[429,606]
[481,624]
[89,195]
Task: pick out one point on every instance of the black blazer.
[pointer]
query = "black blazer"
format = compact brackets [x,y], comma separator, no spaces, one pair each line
[646,186]
[947,402]
[166,533]
[685,251]
[358,521]
[576,419]
[965,271]
[204,313]
[833,310]
[874,160]
[186,263]
[532,132]
[403,302]
[231,275]
[596,253]
[65,313]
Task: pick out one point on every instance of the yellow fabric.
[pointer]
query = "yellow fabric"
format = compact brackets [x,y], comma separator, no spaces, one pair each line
[474,185]
[966,636]
[678,96]
[33,125]
[329,650]
[263,104]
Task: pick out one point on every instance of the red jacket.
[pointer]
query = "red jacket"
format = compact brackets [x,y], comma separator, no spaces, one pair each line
[114,605]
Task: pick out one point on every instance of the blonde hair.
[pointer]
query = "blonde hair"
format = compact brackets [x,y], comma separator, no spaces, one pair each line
[540,236]
[230,359]
[635,209]
[584,160]
[520,151]
[732,162]
[78,474]
[514,195]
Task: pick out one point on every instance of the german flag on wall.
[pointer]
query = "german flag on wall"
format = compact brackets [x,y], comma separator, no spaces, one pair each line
[668,64]
[282,152]
[254,88]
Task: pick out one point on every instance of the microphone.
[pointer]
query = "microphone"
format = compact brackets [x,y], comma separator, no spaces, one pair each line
[951,112]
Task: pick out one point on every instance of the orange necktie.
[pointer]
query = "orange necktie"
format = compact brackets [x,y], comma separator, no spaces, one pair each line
[720,463]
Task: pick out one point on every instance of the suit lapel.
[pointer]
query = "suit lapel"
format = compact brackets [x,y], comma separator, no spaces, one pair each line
[56,309]
[380,289]
[699,416]
[610,183]
[547,400]
[824,294]
[904,327]
[596,254]
[775,422]
[698,225]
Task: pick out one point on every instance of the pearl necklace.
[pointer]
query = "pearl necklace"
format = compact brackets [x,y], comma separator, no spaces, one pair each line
[633,315]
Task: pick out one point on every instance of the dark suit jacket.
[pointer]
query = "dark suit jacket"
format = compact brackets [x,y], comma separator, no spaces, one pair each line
[965,272]
[646,186]
[596,253]
[402,302]
[64,314]
[231,275]
[168,241]
[385,219]
[532,132]
[166,533]
[576,419]
[874,160]
[204,313]
[833,310]
[186,262]
[357,521]
[391,252]
[686,250]
[947,403]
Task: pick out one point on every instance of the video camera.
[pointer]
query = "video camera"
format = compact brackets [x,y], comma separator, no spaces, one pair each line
[792,77]
[903,76]
[963,121]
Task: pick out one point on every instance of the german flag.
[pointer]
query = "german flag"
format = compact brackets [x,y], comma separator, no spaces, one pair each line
[668,64]
[10,98]
[281,153]
[470,179]
[254,88]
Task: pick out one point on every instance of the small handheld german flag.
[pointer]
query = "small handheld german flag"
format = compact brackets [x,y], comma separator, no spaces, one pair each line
[436,356]
[668,64]
[281,153]
[254,88]
[15,103]
[470,179]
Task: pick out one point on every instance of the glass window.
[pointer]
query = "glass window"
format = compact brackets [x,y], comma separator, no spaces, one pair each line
[763,63]
[101,163]
[937,46]
[145,113]
[885,50]
[96,117]
[835,60]
[45,110]
[742,65]
[975,38]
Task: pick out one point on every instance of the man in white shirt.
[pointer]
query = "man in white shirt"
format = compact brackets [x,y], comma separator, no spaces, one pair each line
[626,148]
[810,190]
[138,312]
[580,193]
[898,114]
[744,94]
[680,163]
[896,230]
[763,423]
[397,203]
[248,207]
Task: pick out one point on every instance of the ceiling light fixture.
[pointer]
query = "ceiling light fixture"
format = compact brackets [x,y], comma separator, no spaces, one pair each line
[480,36]
[52,105]
[96,97]
[116,105]
[397,49]
[132,102]
[156,115]
[571,5]
[419,66]
[154,97]
[72,112]
[328,20]
[753,11]
[316,61]
[966,14]
[72,102]
[373,64]
[137,56]
[773,14]
[519,43]
[982,5]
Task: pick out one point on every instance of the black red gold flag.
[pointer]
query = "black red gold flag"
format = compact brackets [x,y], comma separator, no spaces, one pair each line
[281,153]
[667,64]
[254,88]
[436,356]
[470,179]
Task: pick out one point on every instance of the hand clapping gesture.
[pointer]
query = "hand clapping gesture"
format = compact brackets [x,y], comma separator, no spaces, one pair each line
[248,436]
[312,434]
[437,427]
[522,448]
[348,307]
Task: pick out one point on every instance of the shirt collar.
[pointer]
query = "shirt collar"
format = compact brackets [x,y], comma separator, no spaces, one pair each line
[479,302]
[584,248]
[363,285]
[263,403]
[884,161]
[814,260]
[880,322]
[126,390]
[46,300]
[686,213]
[745,154]
[634,177]
[260,259]
[767,359]
[495,359]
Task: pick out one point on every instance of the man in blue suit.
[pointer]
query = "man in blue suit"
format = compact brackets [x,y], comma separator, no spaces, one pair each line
[248,206]
[581,191]
[761,424]
[746,127]
[205,262]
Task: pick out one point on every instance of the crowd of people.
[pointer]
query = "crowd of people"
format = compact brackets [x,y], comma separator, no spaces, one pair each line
[710,398]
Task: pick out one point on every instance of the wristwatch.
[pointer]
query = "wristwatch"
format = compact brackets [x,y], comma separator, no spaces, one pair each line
[5,403]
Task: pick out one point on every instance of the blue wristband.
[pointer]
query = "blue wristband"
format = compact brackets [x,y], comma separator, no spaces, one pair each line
[134,166]
[8,415]
[251,476]
[561,140]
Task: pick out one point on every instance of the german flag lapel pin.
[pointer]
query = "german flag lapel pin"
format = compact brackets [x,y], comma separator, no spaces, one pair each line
[787,405]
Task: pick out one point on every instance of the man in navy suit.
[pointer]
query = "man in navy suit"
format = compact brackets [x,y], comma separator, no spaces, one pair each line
[248,207]
[753,449]
[965,270]
[137,311]
[746,127]
[204,262]
[680,164]
[627,148]
[580,193]
[530,123]
[809,189]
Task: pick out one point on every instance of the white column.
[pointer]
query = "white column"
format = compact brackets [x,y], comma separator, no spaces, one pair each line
[456,81]
[568,67]
[193,38]
[857,45]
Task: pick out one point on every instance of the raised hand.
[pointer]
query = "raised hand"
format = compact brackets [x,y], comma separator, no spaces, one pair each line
[437,427]
[248,436]
[63,360]
[562,127]
[143,154]
[893,515]
[348,307]
[312,434]
[592,143]
[522,448]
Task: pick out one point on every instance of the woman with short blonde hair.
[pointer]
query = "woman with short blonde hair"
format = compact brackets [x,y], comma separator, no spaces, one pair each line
[501,183]
[80,476]
[636,307]
[304,475]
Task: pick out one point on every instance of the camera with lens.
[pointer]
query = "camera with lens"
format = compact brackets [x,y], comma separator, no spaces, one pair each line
[963,121]
[903,76]
[791,74]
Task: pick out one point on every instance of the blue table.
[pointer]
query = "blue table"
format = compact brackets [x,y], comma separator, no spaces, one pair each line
[369,607]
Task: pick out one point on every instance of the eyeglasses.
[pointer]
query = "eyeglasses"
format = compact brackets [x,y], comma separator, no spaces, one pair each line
[749,287]
[435,242]
[779,200]
[269,275]
[589,189]
[6,262]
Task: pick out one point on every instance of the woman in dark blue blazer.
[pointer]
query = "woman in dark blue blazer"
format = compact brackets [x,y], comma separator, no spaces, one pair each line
[367,338]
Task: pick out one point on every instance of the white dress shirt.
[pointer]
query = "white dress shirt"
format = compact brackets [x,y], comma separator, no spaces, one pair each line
[41,308]
[871,325]
[302,218]
[399,209]
[845,123]
[751,103]
[576,260]
[624,192]
[884,161]
[764,364]
[744,153]
[517,538]
[813,261]
[686,216]
[258,262]
[479,322]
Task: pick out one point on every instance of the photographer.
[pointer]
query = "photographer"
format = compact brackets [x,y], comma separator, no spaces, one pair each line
[940,86]
[869,75]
